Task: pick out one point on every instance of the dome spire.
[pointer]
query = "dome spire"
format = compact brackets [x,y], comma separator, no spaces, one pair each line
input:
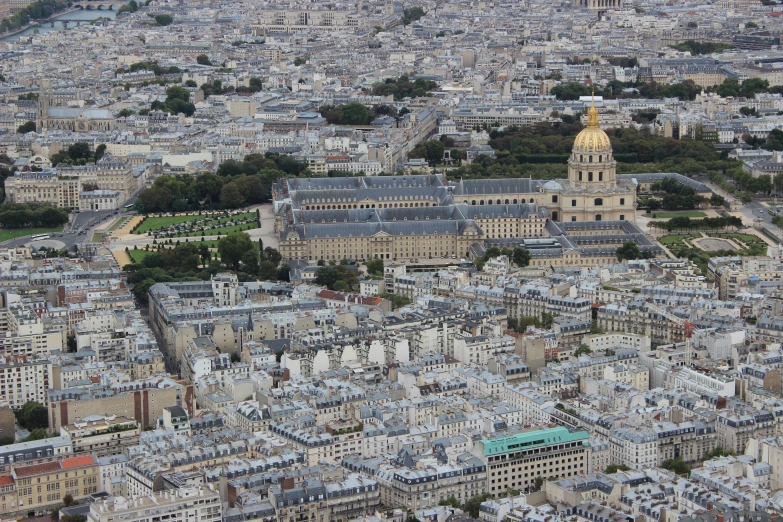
[592,112]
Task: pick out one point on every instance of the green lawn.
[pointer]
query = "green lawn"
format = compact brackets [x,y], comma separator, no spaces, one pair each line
[138,255]
[221,231]
[154,223]
[674,239]
[97,237]
[6,234]
[669,215]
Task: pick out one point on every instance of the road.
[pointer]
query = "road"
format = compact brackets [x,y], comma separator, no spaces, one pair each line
[78,230]
[755,210]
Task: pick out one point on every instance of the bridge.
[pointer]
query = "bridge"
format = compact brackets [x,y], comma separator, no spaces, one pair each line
[101,5]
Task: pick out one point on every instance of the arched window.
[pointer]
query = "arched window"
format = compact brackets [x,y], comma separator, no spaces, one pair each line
[506,202]
[600,159]
[481,202]
[515,201]
[532,200]
[473,202]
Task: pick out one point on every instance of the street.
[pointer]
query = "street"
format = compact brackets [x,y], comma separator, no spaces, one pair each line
[78,230]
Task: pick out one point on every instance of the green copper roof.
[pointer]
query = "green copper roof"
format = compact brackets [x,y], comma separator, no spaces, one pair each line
[533,439]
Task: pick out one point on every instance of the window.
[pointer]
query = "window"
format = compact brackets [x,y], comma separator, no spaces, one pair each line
[622,217]
[573,218]
[598,217]
[580,175]
[590,158]
[599,202]
[573,202]
[554,199]
[622,201]
[589,176]
[600,176]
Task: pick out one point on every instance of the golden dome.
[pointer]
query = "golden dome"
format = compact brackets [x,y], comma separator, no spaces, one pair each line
[592,138]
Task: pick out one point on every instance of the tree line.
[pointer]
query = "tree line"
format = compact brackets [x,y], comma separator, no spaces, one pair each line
[192,262]
[32,215]
[34,11]
[234,184]
[707,223]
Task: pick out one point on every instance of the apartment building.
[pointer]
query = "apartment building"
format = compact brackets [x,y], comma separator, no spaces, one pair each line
[515,461]
[736,429]
[24,379]
[41,487]
[101,436]
[142,401]
[34,452]
[201,503]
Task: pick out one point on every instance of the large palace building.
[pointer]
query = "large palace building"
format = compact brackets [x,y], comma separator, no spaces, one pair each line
[411,217]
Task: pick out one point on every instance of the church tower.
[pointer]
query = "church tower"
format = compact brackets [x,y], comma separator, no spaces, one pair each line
[389,7]
[44,103]
[591,165]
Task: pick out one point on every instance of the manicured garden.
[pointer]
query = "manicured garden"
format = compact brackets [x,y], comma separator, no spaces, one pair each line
[675,239]
[749,244]
[194,225]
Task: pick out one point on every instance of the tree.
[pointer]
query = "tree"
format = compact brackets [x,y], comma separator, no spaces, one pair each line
[26,127]
[397,301]
[582,350]
[67,500]
[272,255]
[472,506]
[538,483]
[233,247]
[250,262]
[71,343]
[36,434]
[629,250]
[375,267]
[232,196]
[451,500]
[355,114]
[676,465]
[614,468]
[79,150]
[203,59]
[300,60]
[716,200]
[124,113]
[547,319]
[33,416]
[521,257]
[163,20]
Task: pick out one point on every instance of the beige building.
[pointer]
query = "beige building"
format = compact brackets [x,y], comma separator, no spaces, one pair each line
[101,436]
[143,402]
[426,217]
[296,20]
[41,487]
[43,187]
